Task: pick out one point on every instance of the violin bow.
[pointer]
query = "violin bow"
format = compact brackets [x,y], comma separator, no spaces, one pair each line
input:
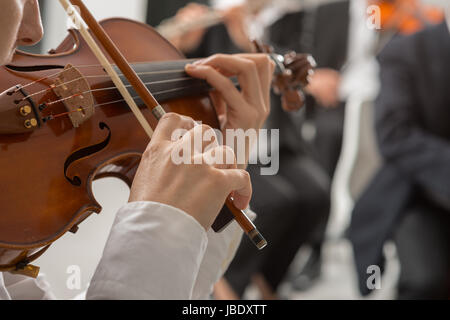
[79,23]
[85,16]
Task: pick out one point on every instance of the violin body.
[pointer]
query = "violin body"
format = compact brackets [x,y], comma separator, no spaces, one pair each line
[47,168]
[64,124]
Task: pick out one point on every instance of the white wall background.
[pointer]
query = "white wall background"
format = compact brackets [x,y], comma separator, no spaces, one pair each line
[56,21]
[436,2]
[84,248]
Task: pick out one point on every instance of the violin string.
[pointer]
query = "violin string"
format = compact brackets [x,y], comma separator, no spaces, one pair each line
[94,65]
[146,83]
[103,89]
[115,101]
[100,89]
[53,116]
[114,88]
[45,78]
[39,80]
[131,63]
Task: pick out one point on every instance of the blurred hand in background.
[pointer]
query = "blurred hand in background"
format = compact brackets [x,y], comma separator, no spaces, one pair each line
[324,87]
[233,18]
[187,41]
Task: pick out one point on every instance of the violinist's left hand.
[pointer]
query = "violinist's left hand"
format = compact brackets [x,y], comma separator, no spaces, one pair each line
[244,109]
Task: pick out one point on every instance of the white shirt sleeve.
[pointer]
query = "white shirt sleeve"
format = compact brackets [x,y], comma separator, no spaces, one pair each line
[220,252]
[4,294]
[18,287]
[360,73]
[154,251]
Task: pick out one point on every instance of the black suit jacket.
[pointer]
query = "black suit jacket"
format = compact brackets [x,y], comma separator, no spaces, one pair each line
[327,31]
[322,32]
[413,130]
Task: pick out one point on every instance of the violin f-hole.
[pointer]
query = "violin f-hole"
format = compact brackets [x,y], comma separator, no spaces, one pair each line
[85,152]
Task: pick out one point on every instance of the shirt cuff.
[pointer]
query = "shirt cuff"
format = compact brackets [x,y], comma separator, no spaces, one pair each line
[220,252]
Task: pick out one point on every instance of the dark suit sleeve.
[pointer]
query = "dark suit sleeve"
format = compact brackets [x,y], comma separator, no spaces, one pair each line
[420,155]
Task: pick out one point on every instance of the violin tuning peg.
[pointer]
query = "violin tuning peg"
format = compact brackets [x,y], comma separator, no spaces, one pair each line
[311,61]
[292,100]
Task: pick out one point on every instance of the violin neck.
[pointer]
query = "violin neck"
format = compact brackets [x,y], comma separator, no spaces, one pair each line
[167,80]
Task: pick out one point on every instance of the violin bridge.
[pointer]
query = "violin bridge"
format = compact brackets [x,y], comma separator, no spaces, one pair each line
[75,93]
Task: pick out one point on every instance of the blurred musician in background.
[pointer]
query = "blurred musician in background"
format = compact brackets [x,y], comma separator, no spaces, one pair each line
[294,204]
[406,16]
[337,35]
[408,200]
[228,35]
[409,194]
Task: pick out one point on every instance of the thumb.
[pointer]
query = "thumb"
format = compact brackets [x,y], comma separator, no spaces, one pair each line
[238,181]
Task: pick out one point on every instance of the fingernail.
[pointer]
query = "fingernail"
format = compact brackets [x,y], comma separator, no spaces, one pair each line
[198,61]
[190,66]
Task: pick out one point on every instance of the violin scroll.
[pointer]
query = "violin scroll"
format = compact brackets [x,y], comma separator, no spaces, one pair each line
[292,74]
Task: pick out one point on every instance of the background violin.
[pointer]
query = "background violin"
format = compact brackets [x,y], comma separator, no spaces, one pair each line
[63,124]
[407,16]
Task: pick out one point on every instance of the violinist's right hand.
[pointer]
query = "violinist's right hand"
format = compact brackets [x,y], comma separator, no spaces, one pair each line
[200,190]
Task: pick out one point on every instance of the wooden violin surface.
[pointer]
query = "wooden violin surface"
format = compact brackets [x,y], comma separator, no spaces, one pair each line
[47,173]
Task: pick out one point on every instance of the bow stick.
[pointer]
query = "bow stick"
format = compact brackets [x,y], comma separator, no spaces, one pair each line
[85,16]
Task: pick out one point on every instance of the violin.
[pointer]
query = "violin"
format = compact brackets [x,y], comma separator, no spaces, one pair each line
[407,16]
[63,124]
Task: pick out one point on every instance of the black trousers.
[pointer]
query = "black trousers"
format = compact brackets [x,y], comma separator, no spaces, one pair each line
[329,123]
[293,208]
[423,247]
